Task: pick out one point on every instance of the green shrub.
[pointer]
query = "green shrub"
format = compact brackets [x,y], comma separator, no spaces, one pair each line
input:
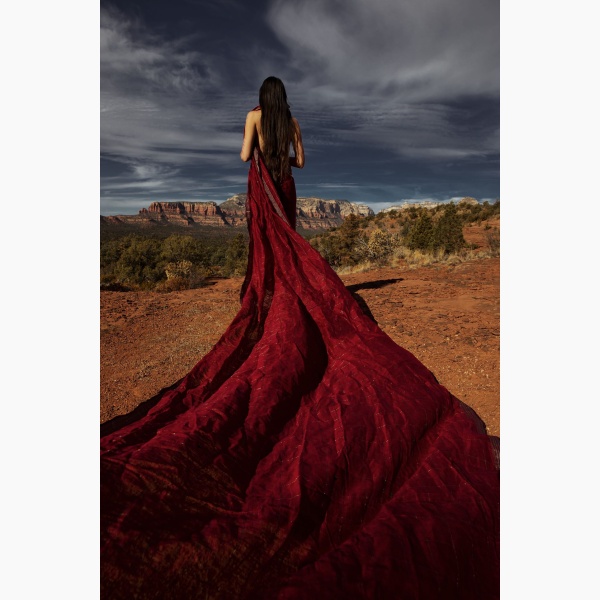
[447,234]
[340,246]
[140,262]
[236,256]
[420,235]
[476,213]
[444,234]
[185,248]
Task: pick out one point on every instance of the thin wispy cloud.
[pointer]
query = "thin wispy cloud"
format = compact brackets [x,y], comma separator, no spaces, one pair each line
[135,58]
[155,98]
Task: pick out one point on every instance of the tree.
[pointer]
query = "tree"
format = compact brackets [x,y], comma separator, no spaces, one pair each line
[420,235]
[178,248]
[236,256]
[139,262]
[447,233]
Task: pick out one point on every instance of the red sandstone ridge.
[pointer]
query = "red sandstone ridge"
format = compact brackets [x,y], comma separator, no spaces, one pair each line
[185,213]
[180,208]
[312,213]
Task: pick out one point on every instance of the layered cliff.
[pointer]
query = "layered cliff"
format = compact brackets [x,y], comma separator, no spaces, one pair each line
[315,213]
[312,213]
[234,210]
[184,213]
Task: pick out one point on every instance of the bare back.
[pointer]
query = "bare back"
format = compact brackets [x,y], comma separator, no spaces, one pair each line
[253,132]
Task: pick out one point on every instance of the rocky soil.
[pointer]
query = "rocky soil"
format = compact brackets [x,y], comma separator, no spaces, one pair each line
[447,316]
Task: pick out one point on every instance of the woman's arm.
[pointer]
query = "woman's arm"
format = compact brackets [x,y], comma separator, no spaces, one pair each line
[249,135]
[298,159]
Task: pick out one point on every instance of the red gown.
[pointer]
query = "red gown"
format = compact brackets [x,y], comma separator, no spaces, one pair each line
[305,456]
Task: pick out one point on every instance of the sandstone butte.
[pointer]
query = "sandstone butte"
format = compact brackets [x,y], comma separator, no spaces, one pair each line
[312,213]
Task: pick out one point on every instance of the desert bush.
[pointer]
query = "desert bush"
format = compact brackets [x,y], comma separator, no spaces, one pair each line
[381,244]
[342,246]
[140,262]
[184,275]
[177,248]
[217,256]
[444,234]
[327,245]
[493,241]
[420,235]
[447,234]
[476,213]
[181,269]
[236,256]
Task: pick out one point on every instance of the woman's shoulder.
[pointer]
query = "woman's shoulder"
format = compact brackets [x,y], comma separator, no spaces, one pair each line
[253,115]
[295,124]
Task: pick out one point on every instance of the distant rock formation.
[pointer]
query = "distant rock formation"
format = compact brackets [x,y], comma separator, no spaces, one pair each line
[315,213]
[234,210]
[426,204]
[312,213]
[468,200]
[185,213]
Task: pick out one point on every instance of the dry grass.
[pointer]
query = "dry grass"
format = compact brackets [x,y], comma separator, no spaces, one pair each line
[359,268]
[403,257]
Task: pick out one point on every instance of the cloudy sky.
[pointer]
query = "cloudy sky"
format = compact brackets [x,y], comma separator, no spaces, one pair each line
[397,99]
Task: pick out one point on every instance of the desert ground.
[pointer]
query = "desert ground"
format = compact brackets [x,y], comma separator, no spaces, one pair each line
[448,316]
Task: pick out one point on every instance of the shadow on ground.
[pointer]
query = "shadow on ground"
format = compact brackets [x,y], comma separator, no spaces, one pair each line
[372,285]
[369,285]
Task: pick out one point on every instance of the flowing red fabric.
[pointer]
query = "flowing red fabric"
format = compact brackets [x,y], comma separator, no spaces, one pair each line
[305,456]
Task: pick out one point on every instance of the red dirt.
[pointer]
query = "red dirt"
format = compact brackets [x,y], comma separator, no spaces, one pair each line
[447,316]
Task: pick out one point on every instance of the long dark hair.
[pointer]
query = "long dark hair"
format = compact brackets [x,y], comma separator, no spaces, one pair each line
[276,125]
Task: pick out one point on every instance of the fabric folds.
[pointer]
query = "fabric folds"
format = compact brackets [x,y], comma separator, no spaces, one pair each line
[305,456]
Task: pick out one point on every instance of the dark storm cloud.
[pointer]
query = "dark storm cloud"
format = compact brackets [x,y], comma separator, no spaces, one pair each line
[410,51]
[391,68]
[396,100]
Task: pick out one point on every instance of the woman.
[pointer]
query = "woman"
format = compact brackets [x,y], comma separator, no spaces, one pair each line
[271,125]
[306,455]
